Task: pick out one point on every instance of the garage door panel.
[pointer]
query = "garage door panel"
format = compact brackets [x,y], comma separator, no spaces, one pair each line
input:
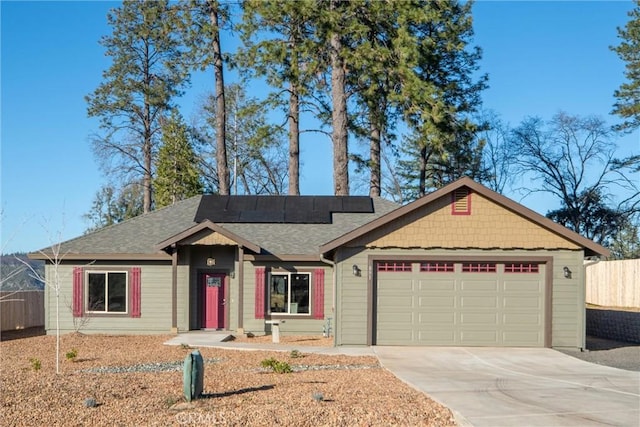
[475,301]
[437,318]
[437,285]
[435,337]
[479,337]
[460,308]
[522,338]
[478,319]
[437,302]
[479,285]
[398,285]
[394,302]
[521,303]
[534,319]
[395,336]
[521,286]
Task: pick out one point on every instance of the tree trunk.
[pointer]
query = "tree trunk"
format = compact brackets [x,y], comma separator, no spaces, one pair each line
[221,115]
[422,174]
[374,181]
[294,141]
[339,119]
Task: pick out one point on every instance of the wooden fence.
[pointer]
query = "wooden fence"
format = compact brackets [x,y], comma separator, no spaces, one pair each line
[21,310]
[613,283]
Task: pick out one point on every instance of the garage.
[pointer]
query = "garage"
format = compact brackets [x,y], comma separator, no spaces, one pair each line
[462,266]
[460,302]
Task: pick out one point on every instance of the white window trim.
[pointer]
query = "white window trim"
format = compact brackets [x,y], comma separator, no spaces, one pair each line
[106,312]
[288,274]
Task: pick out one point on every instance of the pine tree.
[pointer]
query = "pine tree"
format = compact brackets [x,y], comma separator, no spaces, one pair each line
[438,90]
[627,105]
[177,176]
[202,21]
[279,45]
[146,73]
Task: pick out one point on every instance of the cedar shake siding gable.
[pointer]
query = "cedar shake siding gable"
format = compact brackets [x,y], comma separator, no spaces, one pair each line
[490,223]
[488,226]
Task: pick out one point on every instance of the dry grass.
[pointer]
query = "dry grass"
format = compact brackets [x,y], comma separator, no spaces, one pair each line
[237,391]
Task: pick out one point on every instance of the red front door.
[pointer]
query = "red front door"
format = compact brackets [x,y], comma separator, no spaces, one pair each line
[214,300]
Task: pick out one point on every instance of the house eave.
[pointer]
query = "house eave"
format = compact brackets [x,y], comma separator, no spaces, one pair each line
[48,256]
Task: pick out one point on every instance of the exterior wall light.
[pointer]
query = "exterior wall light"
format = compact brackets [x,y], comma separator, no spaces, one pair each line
[567,272]
[356,270]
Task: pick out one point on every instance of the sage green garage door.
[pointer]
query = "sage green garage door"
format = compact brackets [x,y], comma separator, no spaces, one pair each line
[459,303]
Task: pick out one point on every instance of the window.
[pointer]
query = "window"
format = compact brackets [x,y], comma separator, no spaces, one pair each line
[478,267]
[289,293]
[436,267]
[106,292]
[394,266]
[521,268]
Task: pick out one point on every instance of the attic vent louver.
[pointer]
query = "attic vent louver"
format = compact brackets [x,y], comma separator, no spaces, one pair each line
[461,202]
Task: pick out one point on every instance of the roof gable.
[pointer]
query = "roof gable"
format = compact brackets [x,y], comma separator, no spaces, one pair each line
[209,233]
[498,222]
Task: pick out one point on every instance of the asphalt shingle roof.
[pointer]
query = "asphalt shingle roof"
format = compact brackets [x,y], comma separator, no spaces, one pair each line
[141,234]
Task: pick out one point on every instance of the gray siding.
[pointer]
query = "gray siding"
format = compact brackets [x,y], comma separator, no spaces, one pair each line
[155,302]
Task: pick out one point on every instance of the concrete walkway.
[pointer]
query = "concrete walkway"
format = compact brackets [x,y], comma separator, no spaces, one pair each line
[223,340]
[517,386]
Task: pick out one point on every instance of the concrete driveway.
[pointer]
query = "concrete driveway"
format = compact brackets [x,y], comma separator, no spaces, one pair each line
[517,386]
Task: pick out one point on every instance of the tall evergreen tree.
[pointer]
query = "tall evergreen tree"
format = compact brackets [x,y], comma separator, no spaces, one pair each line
[627,105]
[146,73]
[202,21]
[177,176]
[279,45]
[438,90]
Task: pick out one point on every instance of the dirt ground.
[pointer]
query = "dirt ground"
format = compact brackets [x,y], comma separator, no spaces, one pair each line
[137,381]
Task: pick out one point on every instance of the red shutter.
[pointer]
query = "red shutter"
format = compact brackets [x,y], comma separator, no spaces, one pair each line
[260,282]
[77,291]
[318,294]
[135,290]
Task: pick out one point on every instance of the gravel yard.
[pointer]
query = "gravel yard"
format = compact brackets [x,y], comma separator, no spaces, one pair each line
[137,381]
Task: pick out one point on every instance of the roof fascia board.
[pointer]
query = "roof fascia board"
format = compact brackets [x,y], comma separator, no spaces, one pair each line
[287,258]
[45,256]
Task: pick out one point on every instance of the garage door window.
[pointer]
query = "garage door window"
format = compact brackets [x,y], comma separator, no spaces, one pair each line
[521,268]
[478,267]
[394,266]
[436,267]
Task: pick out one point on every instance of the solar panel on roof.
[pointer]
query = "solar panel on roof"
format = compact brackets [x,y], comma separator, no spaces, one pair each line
[279,209]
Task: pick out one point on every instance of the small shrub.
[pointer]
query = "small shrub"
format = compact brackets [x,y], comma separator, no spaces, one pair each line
[71,355]
[169,401]
[185,346]
[295,354]
[277,366]
[35,363]
[317,396]
[90,402]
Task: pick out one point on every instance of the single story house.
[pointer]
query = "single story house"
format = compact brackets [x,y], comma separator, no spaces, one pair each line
[462,266]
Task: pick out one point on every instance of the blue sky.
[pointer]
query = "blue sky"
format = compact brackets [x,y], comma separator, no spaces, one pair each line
[541,57]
